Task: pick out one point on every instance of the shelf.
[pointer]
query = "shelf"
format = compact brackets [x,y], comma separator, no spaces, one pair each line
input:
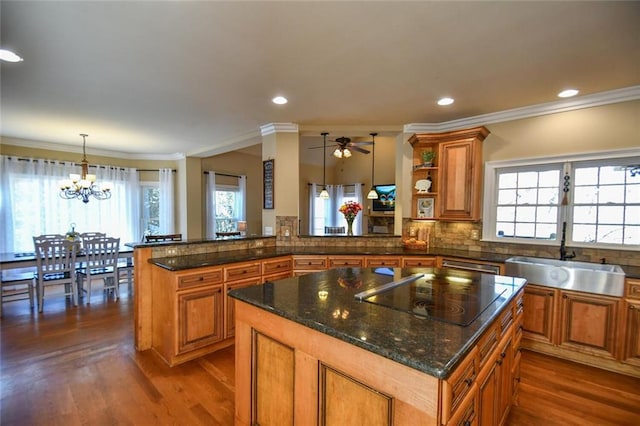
[425,194]
[416,168]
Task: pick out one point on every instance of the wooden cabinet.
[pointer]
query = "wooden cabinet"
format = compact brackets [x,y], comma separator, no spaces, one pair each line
[345,261]
[588,323]
[416,261]
[539,313]
[277,268]
[454,179]
[630,350]
[229,314]
[188,313]
[199,318]
[308,264]
[495,382]
[382,261]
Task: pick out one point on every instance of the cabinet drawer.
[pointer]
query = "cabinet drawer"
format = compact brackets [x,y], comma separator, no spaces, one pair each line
[311,262]
[274,266]
[203,278]
[374,262]
[408,262]
[517,332]
[519,302]
[467,414]
[242,271]
[506,319]
[276,276]
[338,262]
[458,385]
[487,343]
[633,289]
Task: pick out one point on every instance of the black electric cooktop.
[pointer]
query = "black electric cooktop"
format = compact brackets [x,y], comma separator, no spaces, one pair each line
[456,298]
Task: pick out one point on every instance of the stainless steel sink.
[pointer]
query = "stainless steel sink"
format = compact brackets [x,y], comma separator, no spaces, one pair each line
[569,275]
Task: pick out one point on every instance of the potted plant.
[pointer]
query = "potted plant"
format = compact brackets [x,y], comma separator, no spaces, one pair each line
[427,158]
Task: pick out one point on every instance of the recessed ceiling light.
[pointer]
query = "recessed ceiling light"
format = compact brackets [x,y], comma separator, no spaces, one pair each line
[568,93]
[9,56]
[445,101]
[280,100]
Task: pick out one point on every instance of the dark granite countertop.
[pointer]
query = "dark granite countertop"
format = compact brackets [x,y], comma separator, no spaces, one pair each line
[428,345]
[178,263]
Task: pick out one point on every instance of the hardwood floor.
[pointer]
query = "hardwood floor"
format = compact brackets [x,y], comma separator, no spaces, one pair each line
[76,366]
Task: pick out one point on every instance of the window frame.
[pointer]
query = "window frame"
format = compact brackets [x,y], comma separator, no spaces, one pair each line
[566,163]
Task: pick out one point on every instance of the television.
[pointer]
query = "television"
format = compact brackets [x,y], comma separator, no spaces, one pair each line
[386,201]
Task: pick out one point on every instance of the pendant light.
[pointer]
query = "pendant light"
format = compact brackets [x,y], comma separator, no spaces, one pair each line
[373,195]
[324,194]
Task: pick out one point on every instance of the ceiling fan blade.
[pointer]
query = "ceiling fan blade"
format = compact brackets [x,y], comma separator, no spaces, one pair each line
[357,148]
[360,143]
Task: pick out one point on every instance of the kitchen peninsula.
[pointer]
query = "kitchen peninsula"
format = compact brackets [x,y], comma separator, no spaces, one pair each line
[308,350]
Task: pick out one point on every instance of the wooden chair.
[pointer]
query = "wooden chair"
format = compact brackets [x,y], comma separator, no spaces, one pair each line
[17,284]
[228,234]
[334,229]
[47,237]
[56,265]
[101,262]
[86,236]
[160,238]
[125,272]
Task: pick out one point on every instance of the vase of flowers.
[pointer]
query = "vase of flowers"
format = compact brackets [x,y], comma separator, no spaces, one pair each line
[350,209]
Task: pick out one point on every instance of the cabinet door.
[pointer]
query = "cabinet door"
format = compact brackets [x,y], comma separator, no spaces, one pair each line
[459,186]
[504,359]
[539,308]
[488,393]
[589,323]
[199,318]
[632,338]
[229,316]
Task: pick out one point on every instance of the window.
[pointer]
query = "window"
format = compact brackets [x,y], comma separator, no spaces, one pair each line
[227,215]
[598,199]
[325,211]
[150,208]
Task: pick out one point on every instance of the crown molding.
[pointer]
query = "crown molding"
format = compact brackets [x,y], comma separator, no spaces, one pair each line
[271,128]
[586,101]
[55,146]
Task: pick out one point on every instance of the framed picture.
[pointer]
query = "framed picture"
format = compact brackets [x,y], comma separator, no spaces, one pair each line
[267,182]
[424,207]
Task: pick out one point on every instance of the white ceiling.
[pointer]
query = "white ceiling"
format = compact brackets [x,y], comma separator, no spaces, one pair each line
[158,78]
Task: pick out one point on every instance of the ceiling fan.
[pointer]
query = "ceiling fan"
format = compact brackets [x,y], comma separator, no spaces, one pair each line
[344,146]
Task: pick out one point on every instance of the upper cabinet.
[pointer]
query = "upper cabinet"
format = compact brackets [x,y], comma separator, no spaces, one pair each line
[447,174]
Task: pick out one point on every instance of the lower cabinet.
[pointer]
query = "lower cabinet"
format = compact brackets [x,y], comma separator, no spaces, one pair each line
[539,313]
[495,383]
[199,318]
[589,323]
[230,318]
[631,352]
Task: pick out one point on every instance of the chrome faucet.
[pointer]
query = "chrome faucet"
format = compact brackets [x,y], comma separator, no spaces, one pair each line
[563,248]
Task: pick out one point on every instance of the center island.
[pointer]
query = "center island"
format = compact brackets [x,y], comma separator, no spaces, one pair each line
[440,348]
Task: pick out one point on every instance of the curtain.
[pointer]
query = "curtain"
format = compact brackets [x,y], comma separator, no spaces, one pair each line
[240,202]
[211,205]
[313,190]
[357,224]
[167,203]
[30,203]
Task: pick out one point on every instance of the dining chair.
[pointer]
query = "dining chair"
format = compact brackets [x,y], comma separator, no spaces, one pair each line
[165,237]
[101,261]
[47,237]
[55,265]
[334,229]
[125,272]
[16,284]
[228,234]
[86,236]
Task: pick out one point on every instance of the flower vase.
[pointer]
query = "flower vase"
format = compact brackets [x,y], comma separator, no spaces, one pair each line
[349,226]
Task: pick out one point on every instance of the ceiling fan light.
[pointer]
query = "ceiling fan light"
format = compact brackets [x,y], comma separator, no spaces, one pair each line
[372,195]
[346,153]
[337,153]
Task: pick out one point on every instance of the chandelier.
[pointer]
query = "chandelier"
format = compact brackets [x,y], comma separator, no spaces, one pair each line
[84,185]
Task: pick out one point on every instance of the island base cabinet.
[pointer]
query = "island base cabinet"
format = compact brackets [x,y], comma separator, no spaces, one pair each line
[631,353]
[289,374]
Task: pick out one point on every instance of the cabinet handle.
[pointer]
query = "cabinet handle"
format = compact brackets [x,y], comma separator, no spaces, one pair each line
[517,379]
[521,327]
[503,354]
[550,293]
[499,362]
[467,423]
[468,381]
[201,278]
[564,296]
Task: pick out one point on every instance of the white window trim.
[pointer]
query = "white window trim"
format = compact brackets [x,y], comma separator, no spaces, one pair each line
[489,194]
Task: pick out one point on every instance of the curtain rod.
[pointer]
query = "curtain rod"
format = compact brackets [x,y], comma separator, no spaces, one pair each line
[64,163]
[224,174]
[345,184]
